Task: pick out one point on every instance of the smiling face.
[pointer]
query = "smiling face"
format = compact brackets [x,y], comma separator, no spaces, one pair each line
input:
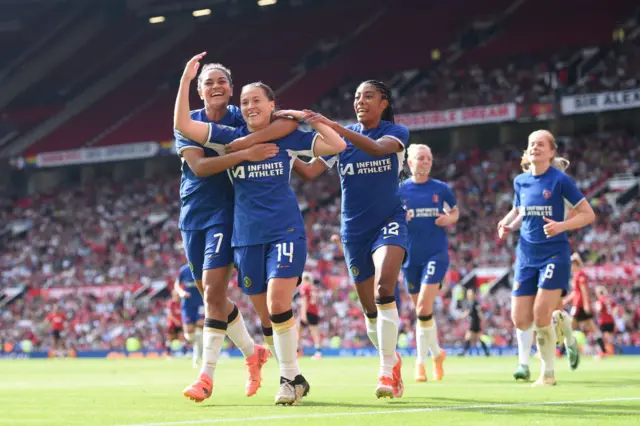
[257,105]
[420,160]
[369,103]
[214,88]
[541,149]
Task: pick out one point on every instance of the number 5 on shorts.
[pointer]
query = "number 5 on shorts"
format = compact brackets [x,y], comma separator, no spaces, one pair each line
[431,268]
[548,273]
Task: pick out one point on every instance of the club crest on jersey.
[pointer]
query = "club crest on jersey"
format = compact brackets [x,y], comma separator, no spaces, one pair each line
[355,271]
[546,194]
[247,282]
[516,285]
[191,266]
[435,198]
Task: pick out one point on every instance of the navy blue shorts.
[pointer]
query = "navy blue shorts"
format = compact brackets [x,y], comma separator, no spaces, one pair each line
[208,249]
[431,271]
[192,313]
[359,254]
[553,274]
[258,264]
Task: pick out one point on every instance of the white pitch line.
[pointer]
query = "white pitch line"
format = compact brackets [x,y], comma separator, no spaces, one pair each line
[398,411]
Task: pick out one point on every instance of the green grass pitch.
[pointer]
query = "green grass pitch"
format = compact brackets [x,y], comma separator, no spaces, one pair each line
[477,391]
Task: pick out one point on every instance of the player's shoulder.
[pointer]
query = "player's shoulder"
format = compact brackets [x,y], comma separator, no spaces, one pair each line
[440,183]
[389,126]
[199,115]
[522,177]
[406,184]
[396,130]
[558,174]
[356,127]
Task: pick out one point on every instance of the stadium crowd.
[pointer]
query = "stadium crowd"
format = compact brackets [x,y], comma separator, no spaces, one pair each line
[105,233]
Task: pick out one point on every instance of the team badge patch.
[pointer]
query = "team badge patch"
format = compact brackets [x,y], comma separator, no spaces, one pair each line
[191,266]
[516,285]
[546,194]
[435,198]
[247,282]
[355,271]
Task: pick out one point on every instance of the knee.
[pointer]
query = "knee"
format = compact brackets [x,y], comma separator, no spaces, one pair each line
[385,287]
[278,306]
[522,322]
[214,301]
[542,315]
[422,310]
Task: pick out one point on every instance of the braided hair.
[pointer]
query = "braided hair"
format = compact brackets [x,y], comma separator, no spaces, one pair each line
[387,114]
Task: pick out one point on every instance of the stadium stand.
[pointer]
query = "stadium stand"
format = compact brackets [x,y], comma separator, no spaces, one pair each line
[73,245]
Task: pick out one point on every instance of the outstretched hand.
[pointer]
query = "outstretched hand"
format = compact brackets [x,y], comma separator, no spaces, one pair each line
[191,69]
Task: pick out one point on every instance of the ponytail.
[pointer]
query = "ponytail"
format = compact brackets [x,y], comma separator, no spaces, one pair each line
[559,163]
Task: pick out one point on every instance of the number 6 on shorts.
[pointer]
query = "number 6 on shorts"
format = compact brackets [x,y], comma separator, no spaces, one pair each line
[548,273]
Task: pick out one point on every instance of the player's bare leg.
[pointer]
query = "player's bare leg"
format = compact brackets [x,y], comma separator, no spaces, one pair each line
[315,336]
[189,336]
[544,305]
[293,386]
[592,328]
[522,317]
[427,334]
[387,261]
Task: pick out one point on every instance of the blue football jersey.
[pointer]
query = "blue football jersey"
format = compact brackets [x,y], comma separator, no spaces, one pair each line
[266,209]
[424,202]
[185,278]
[205,201]
[543,196]
[369,184]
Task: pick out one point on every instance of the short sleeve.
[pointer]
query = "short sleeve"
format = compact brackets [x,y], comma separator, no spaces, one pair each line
[448,198]
[570,191]
[236,116]
[183,144]
[300,142]
[399,133]
[516,194]
[221,134]
[329,160]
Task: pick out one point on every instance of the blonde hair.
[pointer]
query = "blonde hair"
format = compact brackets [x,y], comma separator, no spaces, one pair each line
[413,149]
[559,163]
[577,259]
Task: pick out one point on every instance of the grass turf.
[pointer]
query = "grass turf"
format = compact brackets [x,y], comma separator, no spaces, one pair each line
[478,391]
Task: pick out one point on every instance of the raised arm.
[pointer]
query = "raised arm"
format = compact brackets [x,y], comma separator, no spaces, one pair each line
[182,122]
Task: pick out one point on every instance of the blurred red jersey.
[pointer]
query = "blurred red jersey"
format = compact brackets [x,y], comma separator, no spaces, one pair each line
[56,319]
[605,310]
[310,294]
[579,280]
[173,308]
